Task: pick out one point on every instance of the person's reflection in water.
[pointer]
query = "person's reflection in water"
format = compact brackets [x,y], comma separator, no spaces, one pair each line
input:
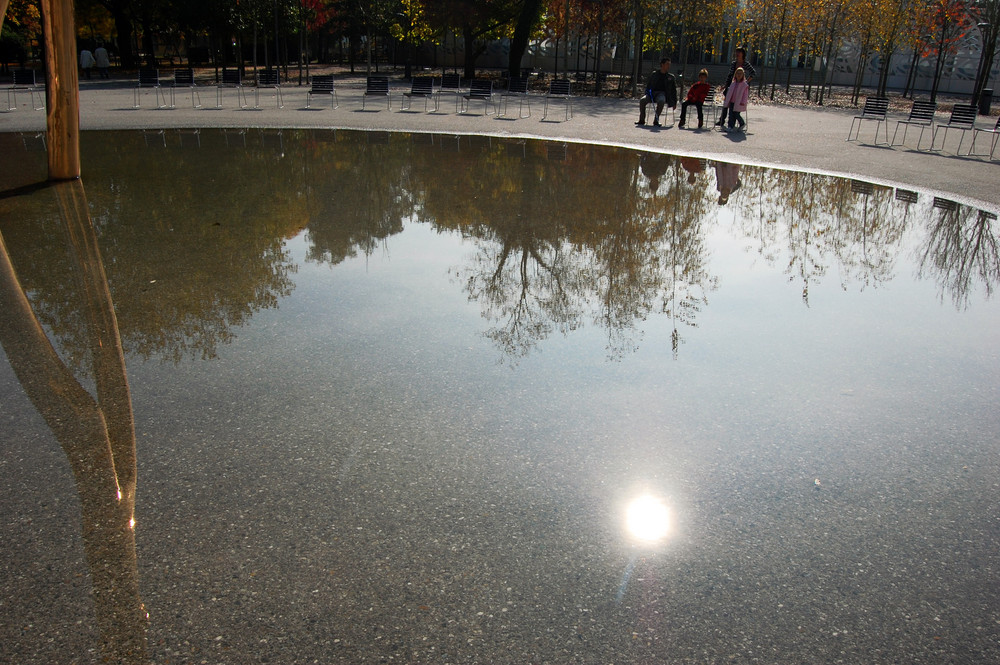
[693,166]
[654,165]
[727,180]
[98,436]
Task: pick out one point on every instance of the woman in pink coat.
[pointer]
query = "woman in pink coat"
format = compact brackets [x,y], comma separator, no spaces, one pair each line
[737,98]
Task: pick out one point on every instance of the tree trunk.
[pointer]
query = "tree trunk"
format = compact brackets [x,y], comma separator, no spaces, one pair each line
[526,21]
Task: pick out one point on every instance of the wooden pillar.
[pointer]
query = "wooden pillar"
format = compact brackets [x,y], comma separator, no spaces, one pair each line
[3,11]
[62,94]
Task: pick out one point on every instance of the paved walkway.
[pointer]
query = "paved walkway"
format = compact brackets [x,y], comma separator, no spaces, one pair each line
[783,136]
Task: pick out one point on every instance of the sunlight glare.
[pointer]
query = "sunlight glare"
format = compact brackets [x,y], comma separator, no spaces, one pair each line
[647,519]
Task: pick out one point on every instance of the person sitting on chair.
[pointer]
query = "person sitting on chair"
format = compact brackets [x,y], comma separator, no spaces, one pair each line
[660,88]
[748,71]
[696,95]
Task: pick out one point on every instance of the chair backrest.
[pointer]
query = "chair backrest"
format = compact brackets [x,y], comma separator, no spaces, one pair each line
[963,115]
[481,88]
[231,77]
[377,85]
[268,78]
[875,107]
[560,87]
[24,77]
[517,86]
[184,77]
[451,81]
[149,77]
[422,85]
[322,83]
[923,112]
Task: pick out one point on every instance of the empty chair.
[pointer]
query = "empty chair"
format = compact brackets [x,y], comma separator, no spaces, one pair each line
[994,131]
[268,79]
[322,84]
[184,78]
[963,118]
[450,84]
[149,78]
[479,89]
[421,86]
[518,89]
[231,79]
[922,115]
[24,80]
[559,90]
[377,86]
[875,109]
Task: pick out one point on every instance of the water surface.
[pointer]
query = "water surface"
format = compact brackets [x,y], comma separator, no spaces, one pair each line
[393,395]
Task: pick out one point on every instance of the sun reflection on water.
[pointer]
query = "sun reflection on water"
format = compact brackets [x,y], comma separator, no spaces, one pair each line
[647,519]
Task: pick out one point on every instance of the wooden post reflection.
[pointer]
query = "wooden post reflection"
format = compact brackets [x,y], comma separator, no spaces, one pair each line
[98,436]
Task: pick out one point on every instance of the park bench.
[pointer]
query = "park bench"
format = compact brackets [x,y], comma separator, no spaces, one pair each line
[921,115]
[963,118]
[24,80]
[875,109]
[184,78]
[322,84]
[377,86]
[451,84]
[994,131]
[559,90]
[517,88]
[268,79]
[481,90]
[421,86]
[231,79]
[149,78]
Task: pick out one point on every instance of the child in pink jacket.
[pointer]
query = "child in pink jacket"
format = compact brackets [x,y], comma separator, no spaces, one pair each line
[737,98]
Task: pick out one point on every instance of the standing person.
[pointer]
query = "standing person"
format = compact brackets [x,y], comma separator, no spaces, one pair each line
[102,60]
[697,94]
[737,99]
[86,62]
[660,88]
[748,71]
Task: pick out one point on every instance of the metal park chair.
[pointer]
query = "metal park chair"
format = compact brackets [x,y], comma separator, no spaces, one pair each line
[875,109]
[921,115]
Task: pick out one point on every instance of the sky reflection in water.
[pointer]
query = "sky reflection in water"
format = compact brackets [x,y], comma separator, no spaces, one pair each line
[394,394]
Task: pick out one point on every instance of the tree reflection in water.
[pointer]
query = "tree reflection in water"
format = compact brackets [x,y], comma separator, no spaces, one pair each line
[961,251]
[593,236]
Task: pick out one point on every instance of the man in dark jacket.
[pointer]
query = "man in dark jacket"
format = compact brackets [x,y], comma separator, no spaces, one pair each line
[739,61]
[660,88]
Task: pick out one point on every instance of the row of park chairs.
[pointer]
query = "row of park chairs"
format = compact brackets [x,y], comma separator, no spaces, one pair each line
[923,114]
[183,79]
[323,86]
[478,90]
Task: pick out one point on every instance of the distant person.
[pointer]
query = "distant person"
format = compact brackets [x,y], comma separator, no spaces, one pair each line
[660,88]
[697,94]
[736,100]
[748,71]
[102,60]
[86,62]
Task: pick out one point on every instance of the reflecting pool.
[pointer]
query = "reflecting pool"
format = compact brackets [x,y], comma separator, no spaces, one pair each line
[327,396]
